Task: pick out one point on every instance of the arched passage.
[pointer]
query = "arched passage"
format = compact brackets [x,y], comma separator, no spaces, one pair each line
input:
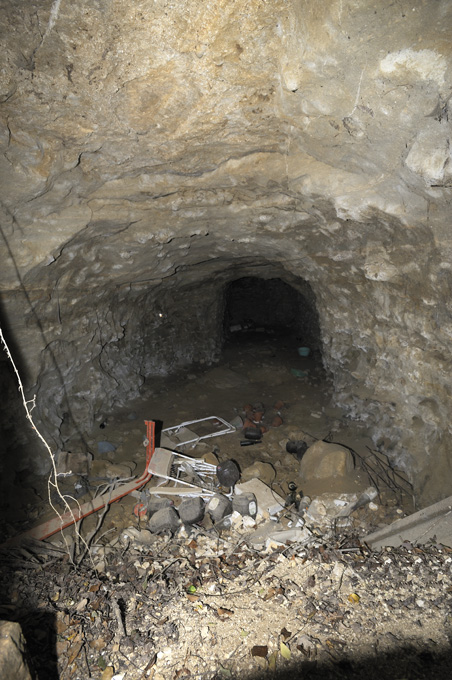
[270,305]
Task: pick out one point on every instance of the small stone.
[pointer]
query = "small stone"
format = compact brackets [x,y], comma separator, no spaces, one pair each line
[248,522]
[105,447]
[13,660]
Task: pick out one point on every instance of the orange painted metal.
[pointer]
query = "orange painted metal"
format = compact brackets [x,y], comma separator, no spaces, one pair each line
[65,520]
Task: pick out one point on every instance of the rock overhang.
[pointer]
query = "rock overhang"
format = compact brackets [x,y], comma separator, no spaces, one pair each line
[151,156]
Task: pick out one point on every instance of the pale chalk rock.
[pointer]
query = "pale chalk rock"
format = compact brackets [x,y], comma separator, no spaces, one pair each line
[263,471]
[13,662]
[323,460]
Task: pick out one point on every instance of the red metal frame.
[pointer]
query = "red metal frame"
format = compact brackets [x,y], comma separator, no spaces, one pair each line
[65,520]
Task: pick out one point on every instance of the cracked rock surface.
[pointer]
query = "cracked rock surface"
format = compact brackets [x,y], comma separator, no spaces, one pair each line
[154,153]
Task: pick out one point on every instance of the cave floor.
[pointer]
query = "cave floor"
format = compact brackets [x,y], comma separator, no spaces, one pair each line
[204,603]
[257,369]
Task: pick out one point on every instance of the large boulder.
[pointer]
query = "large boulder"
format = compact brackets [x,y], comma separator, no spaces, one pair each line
[323,460]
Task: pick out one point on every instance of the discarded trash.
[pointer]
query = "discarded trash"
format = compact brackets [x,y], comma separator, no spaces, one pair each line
[228,474]
[237,422]
[140,510]
[219,507]
[252,433]
[297,448]
[296,535]
[291,498]
[304,351]
[248,442]
[367,496]
[353,598]
[267,499]
[245,504]
[273,535]
[180,435]
[185,471]
[298,373]
[155,504]
[164,520]
[74,515]
[324,509]
[191,510]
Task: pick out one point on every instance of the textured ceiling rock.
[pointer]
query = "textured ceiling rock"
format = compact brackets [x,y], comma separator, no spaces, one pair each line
[154,151]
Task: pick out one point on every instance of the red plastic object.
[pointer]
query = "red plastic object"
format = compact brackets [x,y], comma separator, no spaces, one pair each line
[140,510]
[65,520]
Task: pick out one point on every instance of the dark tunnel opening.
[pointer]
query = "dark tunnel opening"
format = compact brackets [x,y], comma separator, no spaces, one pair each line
[256,307]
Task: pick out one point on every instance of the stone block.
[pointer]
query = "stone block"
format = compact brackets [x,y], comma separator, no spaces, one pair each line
[164,520]
[191,510]
[219,507]
[13,660]
[323,460]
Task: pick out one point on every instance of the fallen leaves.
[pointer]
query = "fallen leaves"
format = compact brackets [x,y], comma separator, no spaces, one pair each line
[285,651]
[224,613]
[259,650]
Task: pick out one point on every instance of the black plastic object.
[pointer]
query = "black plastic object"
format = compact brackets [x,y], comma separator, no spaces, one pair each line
[163,520]
[248,442]
[191,510]
[219,507]
[245,503]
[252,433]
[296,448]
[228,473]
[156,504]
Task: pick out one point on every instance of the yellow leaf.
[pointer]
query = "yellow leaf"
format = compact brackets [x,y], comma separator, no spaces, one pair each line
[108,673]
[354,598]
[285,651]
[272,661]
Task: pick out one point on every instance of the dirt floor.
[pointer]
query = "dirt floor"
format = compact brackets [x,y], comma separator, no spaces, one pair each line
[204,601]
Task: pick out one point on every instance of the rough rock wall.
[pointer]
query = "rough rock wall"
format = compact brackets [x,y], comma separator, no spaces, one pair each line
[152,152]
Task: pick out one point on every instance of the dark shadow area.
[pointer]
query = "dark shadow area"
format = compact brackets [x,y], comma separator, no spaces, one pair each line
[271,306]
[19,445]
[16,433]
[409,662]
[39,631]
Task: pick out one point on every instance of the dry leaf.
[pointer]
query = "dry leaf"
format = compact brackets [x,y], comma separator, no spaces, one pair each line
[272,661]
[94,588]
[354,598]
[221,611]
[259,650]
[192,597]
[271,592]
[108,673]
[61,624]
[285,651]
[285,633]
[75,651]
[98,644]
